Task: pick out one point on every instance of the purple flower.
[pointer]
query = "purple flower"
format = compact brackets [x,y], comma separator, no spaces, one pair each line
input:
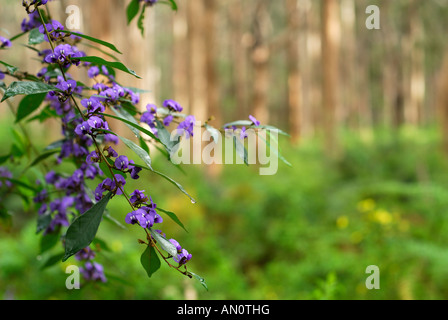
[110,152]
[93,105]
[85,254]
[134,170]
[93,272]
[122,163]
[243,134]
[67,86]
[138,197]
[83,129]
[168,119]
[183,257]
[187,126]
[254,121]
[177,245]
[93,157]
[4,42]
[2,75]
[97,123]
[93,72]
[172,105]
[55,26]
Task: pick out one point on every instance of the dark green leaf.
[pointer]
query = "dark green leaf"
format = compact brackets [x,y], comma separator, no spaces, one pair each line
[115,64]
[40,158]
[29,104]
[43,221]
[52,260]
[173,217]
[141,20]
[150,261]
[35,37]
[48,241]
[132,10]
[103,43]
[27,88]
[83,229]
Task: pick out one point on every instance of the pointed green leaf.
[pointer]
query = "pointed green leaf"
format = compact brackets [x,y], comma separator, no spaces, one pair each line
[28,88]
[200,279]
[132,124]
[83,229]
[11,69]
[240,150]
[173,217]
[150,261]
[139,151]
[141,20]
[101,42]
[35,37]
[29,104]
[132,10]
[112,64]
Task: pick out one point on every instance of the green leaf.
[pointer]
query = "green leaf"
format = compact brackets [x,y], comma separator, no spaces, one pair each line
[173,217]
[11,69]
[132,124]
[165,137]
[48,241]
[272,128]
[83,229]
[213,132]
[238,123]
[29,104]
[277,152]
[139,151]
[40,158]
[132,10]
[51,261]
[27,88]
[240,150]
[122,113]
[141,20]
[101,42]
[150,261]
[164,243]
[200,279]
[112,64]
[35,37]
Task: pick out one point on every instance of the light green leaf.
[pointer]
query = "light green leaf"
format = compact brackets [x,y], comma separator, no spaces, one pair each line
[112,64]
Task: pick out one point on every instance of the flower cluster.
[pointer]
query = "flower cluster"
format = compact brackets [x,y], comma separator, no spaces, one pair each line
[91,271]
[5,175]
[4,42]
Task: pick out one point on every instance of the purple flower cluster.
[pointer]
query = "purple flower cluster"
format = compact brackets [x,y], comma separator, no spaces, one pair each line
[186,126]
[5,175]
[63,54]
[91,271]
[32,22]
[54,28]
[182,254]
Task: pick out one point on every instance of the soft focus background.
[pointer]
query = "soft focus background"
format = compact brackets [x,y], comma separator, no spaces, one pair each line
[367,111]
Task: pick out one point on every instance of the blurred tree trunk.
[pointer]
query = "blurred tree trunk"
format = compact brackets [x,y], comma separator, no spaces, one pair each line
[180,57]
[294,76]
[417,65]
[330,63]
[442,101]
[260,60]
[197,70]
[211,60]
[239,57]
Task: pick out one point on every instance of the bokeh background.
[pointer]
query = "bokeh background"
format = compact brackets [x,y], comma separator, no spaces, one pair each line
[367,112]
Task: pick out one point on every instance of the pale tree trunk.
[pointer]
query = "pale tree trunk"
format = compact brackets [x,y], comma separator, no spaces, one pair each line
[294,76]
[260,61]
[211,60]
[330,63]
[197,69]
[442,101]
[180,57]
[239,57]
